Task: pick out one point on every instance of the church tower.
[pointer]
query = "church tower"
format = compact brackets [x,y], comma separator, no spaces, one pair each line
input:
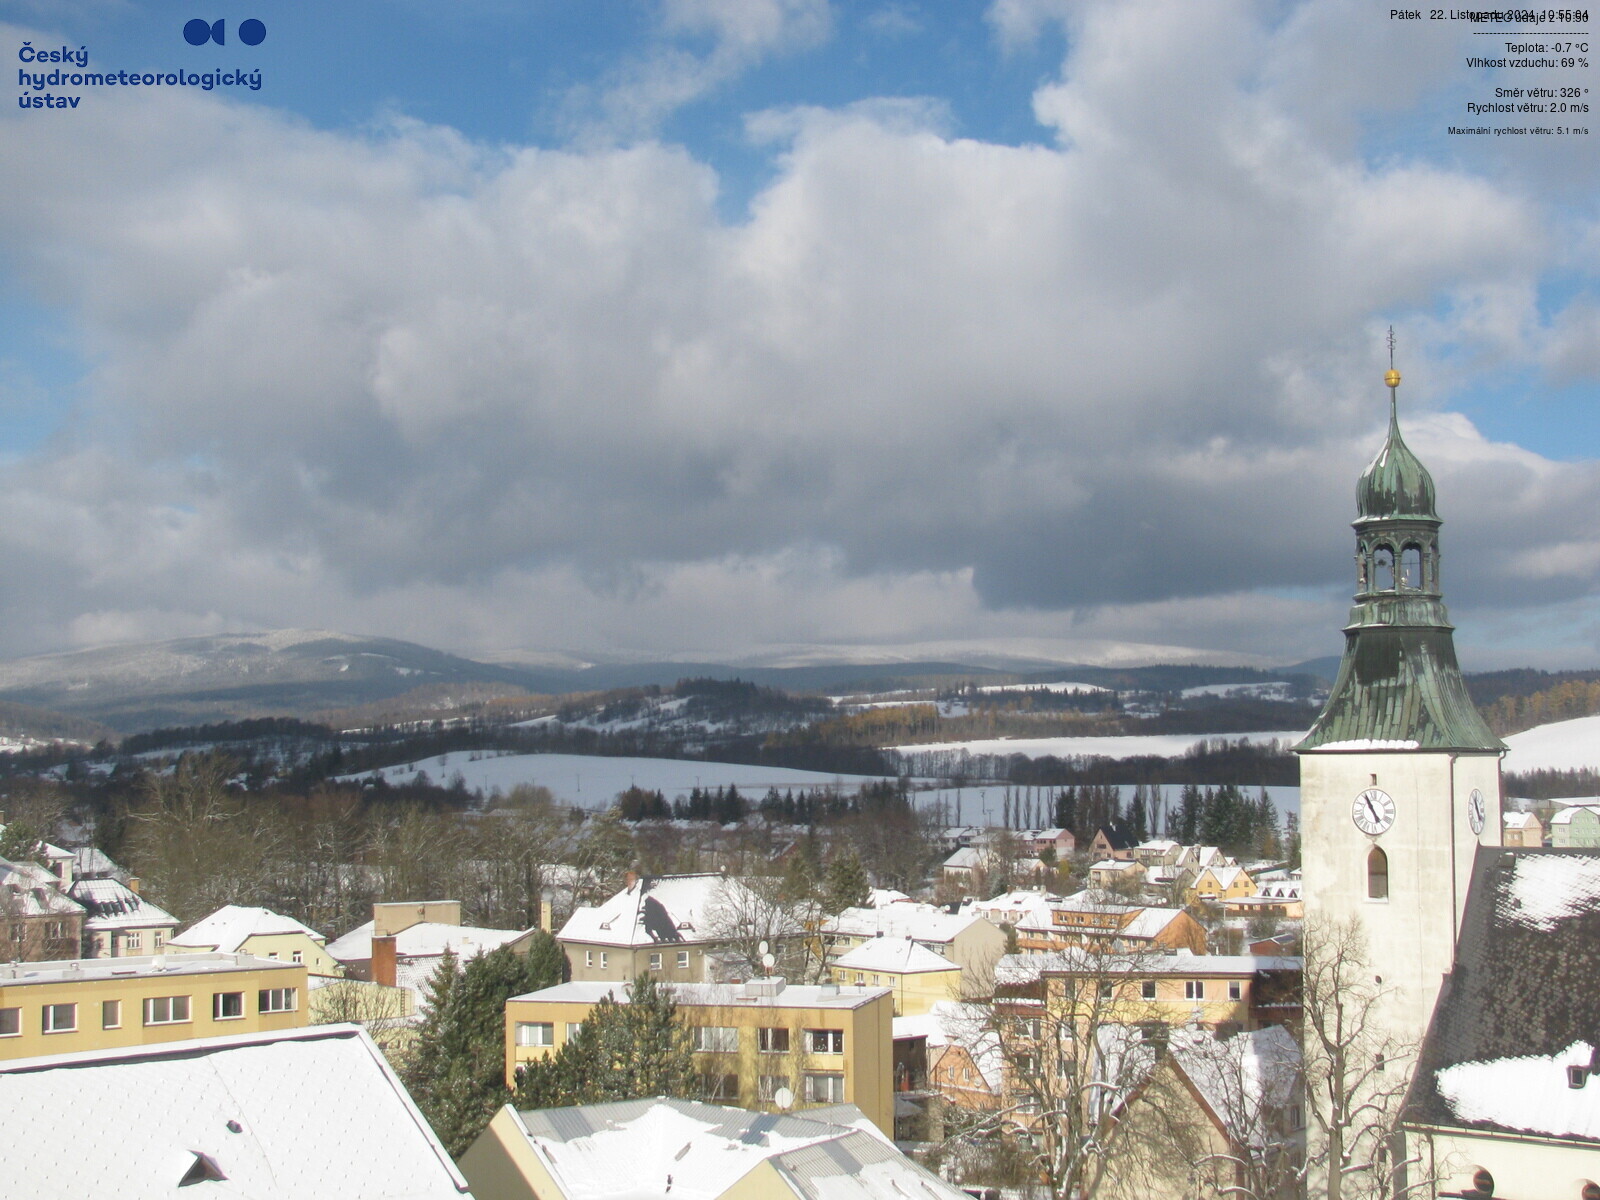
[1399,777]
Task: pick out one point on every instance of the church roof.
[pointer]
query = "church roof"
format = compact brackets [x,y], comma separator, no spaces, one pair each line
[1395,485]
[1512,1045]
[1400,689]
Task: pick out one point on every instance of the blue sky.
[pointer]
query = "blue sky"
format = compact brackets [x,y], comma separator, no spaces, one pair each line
[767,328]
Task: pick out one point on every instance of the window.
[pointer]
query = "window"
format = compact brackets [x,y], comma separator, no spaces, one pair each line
[825,1041]
[655,961]
[111,1014]
[588,958]
[536,1033]
[1383,569]
[166,1010]
[824,1087]
[227,1006]
[275,1000]
[60,1018]
[10,1022]
[683,960]
[1107,990]
[1235,989]
[1377,875]
[768,1087]
[720,1039]
[298,956]
[273,955]
[132,940]
[604,958]
[1194,989]
[774,1041]
[1147,989]
[719,1089]
[861,979]
[1411,568]
[156,938]
[572,1029]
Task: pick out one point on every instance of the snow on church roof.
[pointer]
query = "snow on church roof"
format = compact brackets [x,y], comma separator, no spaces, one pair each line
[1533,1093]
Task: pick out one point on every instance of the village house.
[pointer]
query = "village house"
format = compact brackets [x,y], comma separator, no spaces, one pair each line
[233,929]
[1090,918]
[1521,829]
[918,977]
[969,941]
[667,925]
[405,941]
[1576,826]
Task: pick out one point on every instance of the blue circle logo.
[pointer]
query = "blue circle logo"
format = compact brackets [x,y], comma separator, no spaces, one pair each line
[200,31]
[252,32]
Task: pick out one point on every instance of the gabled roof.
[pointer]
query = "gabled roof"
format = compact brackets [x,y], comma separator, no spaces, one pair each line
[279,1116]
[901,955]
[231,925]
[653,911]
[1520,1005]
[924,922]
[114,905]
[29,890]
[1116,835]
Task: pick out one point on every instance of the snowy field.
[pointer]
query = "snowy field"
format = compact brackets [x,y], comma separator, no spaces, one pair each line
[1166,745]
[594,782]
[1559,746]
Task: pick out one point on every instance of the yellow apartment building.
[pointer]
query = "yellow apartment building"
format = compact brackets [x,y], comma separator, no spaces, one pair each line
[918,977]
[820,1043]
[113,1003]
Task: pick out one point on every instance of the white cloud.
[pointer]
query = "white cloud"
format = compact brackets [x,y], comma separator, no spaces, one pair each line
[1114,391]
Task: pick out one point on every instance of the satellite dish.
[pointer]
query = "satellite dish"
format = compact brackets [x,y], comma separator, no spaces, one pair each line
[763,948]
[767,960]
[783,1098]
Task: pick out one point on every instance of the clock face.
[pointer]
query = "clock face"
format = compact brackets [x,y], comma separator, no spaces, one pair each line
[1476,810]
[1373,811]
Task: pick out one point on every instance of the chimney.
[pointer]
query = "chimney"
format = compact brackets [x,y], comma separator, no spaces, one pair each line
[133,884]
[384,960]
[631,878]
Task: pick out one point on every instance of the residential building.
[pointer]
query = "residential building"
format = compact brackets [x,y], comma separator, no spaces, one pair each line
[668,925]
[37,922]
[918,977]
[1213,884]
[1212,991]
[260,932]
[1036,842]
[1113,840]
[1008,908]
[1521,829]
[958,1056]
[279,1115]
[405,941]
[118,921]
[637,1148]
[1158,852]
[963,938]
[1090,918]
[1120,876]
[1280,898]
[1576,827]
[825,1044]
[108,1004]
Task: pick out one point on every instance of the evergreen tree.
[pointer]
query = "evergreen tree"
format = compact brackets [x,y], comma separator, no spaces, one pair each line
[456,1070]
[620,1052]
[846,884]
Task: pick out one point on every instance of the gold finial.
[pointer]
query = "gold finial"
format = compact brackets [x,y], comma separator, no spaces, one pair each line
[1391,376]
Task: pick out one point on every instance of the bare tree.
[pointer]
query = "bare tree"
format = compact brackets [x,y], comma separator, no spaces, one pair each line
[749,919]
[1078,1038]
[1356,1073]
[384,1012]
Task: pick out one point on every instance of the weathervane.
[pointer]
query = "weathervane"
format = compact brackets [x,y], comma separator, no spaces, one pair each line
[1391,376]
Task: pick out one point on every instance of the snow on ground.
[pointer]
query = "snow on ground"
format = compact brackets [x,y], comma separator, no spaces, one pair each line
[1559,746]
[1167,745]
[1271,690]
[593,781]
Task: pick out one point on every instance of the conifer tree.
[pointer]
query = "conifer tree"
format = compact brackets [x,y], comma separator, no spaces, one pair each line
[622,1051]
[846,885]
[456,1070]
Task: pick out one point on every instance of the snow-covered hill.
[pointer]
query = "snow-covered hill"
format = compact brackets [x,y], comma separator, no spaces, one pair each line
[1559,746]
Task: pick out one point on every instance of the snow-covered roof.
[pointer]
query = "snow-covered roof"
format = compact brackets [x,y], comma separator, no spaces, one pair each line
[134,966]
[714,995]
[1519,820]
[1158,846]
[1116,864]
[425,939]
[964,859]
[1530,1093]
[628,1150]
[959,1023]
[228,928]
[1497,1051]
[91,862]
[878,897]
[1226,877]
[901,955]
[1564,817]
[924,922]
[29,890]
[1243,1079]
[1025,968]
[114,905]
[278,1116]
[651,911]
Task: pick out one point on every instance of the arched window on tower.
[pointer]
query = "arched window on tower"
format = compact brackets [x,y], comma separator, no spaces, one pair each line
[1383,569]
[1411,568]
[1377,875]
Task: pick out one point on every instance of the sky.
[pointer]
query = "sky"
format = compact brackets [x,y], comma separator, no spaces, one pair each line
[775,330]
